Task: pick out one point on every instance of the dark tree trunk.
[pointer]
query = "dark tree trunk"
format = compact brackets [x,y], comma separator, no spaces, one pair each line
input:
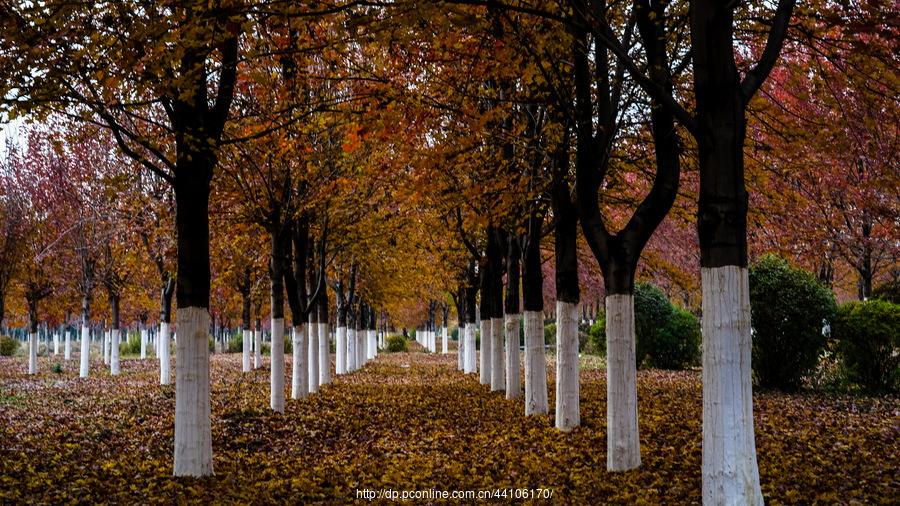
[532,275]
[114,310]
[165,299]
[276,272]
[471,290]
[565,233]
[192,181]
[86,309]
[513,255]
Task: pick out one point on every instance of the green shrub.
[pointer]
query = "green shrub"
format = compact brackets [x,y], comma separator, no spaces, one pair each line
[676,345]
[889,291]
[789,308]
[236,342]
[265,350]
[132,346]
[550,334]
[598,336]
[8,346]
[652,311]
[454,334]
[396,343]
[868,338]
[57,368]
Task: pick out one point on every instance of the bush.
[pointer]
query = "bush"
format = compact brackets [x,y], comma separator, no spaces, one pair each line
[676,345]
[550,334]
[396,343]
[132,346]
[597,335]
[652,311]
[8,346]
[889,291]
[868,338]
[236,342]
[789,308]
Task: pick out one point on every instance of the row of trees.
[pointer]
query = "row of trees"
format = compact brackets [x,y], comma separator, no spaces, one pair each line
[254,149]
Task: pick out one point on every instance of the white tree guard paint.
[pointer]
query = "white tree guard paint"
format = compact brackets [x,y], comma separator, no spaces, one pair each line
[246,338]
[351,349]
[67,348]
[114,352]
[104,345]
[312,357]
[193,437]
[484,354]
[360,348]
[163,346]
[513,381]
[56,343]
[371,344]
[143,344]
[32,352]
[498,367]
[324,356]
[257,349]
[461,348]
[340,351]
[276,366]
[445,346]
[623,446]
[568,411]
[535,365]
[470,362]
[85,352]
[730,472]
[299,352]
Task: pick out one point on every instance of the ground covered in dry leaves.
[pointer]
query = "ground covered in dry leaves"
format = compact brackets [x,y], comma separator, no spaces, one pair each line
[411,421]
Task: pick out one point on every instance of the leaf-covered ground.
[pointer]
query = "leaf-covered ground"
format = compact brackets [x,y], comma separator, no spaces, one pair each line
[411,421]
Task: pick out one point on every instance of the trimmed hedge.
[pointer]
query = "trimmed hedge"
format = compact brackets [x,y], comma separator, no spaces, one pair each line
[789,309]
[868,339]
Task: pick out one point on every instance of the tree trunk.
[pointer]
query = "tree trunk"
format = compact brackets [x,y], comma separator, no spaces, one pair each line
[85,336]
[276,346]
[623,450]
[164,345]
[193,437]
[324,356]
[312,352]
[114,336]
[67,348]
[299,359]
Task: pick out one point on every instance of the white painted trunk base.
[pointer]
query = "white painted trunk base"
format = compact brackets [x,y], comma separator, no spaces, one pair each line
[340,351]
[114,352]
[623,446]
[513,381]
[193,437]
[32,353]
[85,352]
[162,346]
[56,343]
[324,355]
[299,376]
[257,349]
[484,354]
[143,344]
[245,349]
[312,357]
[360,348]
[276,366]
[568,410]
[67,348]
[469,362]
[535,365]
[104,344]
[498,367]
[351,349]
[372,349]
[730,472]
[460,348]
